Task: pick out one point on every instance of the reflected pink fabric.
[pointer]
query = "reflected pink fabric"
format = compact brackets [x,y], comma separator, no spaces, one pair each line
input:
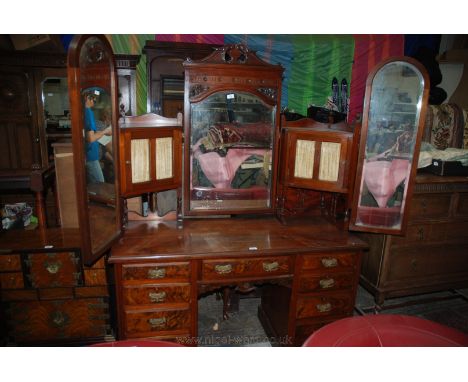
[221,170]
[383,177]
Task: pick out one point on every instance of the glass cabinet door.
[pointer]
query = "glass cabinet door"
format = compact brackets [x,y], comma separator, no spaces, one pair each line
[231,146]
[393,121]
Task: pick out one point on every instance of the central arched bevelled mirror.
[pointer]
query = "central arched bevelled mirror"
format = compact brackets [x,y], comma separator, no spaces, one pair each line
[93,98]
[393,120]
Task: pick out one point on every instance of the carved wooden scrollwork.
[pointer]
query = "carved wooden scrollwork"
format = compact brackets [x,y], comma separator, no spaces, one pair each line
[269,92]
[235,54]
[198,89]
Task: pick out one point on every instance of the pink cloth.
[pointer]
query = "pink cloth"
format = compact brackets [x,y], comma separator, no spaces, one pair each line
[220,171]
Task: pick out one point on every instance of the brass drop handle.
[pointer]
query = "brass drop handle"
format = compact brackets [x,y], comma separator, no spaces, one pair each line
[329,262]
[223,269]
[424,205]
[157,296]
[421,233]
[157,273]
[157,322]
[327,283]
[322,308]
[58,318]
[53,267]
[270,266]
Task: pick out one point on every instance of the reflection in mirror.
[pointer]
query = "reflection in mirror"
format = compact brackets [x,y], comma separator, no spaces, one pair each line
[231,142]
[393,121]
[56,103]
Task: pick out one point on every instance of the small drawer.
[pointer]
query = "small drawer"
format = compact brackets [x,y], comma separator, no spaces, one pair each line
[10,263]
[430,206]
[233,268]
[158,321]
[328,261]
[324,304]
[334,281]
[57,269]
[157,272]
[156,294]
[12,280]
[95,277]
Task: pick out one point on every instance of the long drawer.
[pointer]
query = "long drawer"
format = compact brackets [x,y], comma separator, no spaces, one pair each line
[250,267]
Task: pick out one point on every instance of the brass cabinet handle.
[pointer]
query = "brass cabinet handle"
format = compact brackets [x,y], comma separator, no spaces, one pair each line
[223,269]
[327,283]
[157,322]
[157,296]
[59,318]
[324,307]
[421,233]
[329,262]
[157,273]
[270,267]
[53,267]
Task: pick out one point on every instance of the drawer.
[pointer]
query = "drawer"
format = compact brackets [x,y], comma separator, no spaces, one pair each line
[60,269]
[10,263]
[11,280]
[156,294]
[430,206]
[67,319]
[324,304]
[238,268]
[333,281]
[162,272]
[436,261]
[329,261]
[462,205]
[95,277]
[149,323]
[436,232]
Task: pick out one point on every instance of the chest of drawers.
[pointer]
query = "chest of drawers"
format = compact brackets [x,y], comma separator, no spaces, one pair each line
[307,271]
[433,255]
[47,295]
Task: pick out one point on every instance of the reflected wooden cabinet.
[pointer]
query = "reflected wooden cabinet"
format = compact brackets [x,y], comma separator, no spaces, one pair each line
[151,154]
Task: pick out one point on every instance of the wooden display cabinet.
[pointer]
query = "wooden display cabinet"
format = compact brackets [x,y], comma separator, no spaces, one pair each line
[151,154]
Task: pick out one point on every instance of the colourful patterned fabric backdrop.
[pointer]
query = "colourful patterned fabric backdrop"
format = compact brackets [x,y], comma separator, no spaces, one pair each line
[310,62]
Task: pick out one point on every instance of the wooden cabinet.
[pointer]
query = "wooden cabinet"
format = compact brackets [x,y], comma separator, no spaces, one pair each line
[316,155]
[151,154]
[48,297]
[432,255]
[160,276]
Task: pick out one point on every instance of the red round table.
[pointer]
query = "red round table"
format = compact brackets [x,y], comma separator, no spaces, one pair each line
[138,343]
[386,330]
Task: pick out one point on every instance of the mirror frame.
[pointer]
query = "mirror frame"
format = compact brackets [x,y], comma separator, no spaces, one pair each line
[75,86]
[419,125]
[231,68]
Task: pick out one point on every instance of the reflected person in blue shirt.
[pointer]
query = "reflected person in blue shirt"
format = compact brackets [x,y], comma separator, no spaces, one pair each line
[93,166]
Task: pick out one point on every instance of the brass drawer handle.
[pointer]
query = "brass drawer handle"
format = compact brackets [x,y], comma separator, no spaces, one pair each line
[223,269]
[270,267]
[157,273]
[329,262]
[59,319]
[53,267]
[157,296]
[322,308]
[327,283]
[421,233]
[157,322]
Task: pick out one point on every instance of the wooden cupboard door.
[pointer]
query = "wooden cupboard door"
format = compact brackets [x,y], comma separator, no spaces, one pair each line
[151,159]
